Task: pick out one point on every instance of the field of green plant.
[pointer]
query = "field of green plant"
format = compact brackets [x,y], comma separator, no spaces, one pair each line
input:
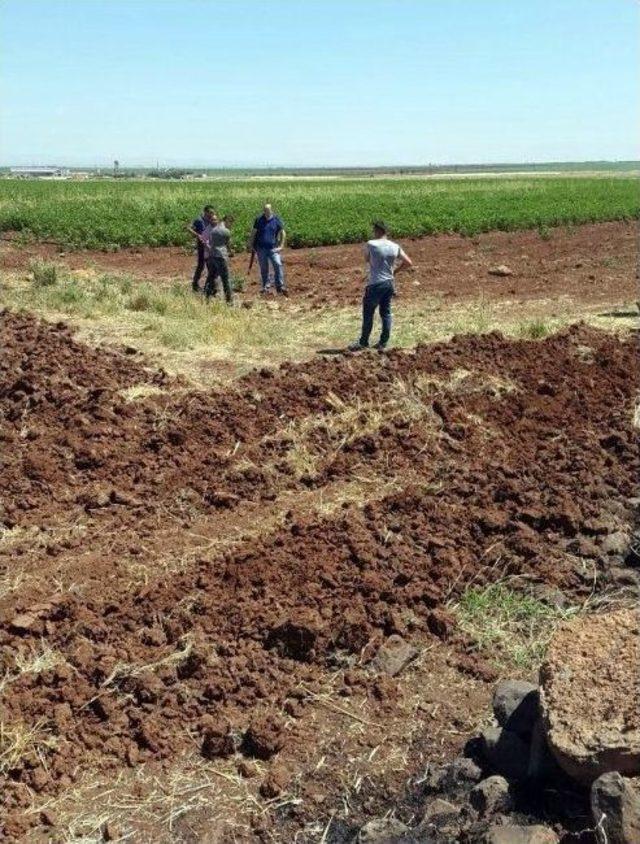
[113,214]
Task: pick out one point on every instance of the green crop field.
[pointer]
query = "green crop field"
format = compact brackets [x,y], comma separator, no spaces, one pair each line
[113,214]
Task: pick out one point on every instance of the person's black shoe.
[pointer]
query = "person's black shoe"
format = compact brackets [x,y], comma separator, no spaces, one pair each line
[284,292]
[380,347]
[356,347]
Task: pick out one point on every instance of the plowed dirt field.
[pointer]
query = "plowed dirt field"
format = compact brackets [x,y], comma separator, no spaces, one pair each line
[592,263]
[183,570]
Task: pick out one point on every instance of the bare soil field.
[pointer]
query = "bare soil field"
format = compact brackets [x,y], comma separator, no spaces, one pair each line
[198,588]
[594,263]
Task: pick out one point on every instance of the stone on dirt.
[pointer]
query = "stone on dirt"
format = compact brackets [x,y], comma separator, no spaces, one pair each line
[515,705]
[615,804]
[590,687]
[501,270]
[393,656]
[506,752]
[452,776]
[521,835]
[382,831]
[491,796]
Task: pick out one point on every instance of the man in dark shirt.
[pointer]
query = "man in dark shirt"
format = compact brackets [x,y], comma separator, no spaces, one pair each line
[268,239]
[197,229]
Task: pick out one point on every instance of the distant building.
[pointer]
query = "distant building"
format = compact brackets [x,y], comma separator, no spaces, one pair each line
[39,172]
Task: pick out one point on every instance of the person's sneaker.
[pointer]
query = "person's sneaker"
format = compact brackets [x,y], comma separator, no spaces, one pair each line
[356,347]
[380,347]
[284,292]
[195,288]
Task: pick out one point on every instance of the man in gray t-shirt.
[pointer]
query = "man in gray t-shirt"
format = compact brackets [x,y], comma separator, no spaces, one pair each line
[384,258]
[217,237]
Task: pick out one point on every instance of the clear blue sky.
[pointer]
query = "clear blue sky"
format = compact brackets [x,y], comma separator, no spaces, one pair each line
[305,82]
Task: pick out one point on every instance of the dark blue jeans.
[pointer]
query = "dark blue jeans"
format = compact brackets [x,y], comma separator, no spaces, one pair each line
[376,296]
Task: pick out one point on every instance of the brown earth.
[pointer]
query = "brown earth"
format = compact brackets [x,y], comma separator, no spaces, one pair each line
[481,457]
[594,263]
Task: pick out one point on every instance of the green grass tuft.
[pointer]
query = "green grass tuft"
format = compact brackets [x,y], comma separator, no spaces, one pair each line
[513,628]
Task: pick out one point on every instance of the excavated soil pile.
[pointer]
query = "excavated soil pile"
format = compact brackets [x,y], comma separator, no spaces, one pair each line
[499,457]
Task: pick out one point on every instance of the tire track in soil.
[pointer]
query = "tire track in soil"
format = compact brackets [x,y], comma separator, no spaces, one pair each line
[514,480]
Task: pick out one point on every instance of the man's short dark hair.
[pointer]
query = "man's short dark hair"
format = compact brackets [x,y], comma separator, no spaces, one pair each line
[207,209]
[380,226]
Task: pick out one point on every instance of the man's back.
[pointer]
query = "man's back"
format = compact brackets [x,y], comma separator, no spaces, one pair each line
[383,253]
[218,237]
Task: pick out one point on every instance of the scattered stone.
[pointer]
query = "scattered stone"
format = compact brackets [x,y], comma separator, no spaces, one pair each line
[501,270]
[452,776]
[506,752]
[615,804]
[589,695]
[615,543]
[521,835]
[439,808]
[491,795]
[264,737]
[382,831]
[393,656]
[515,705]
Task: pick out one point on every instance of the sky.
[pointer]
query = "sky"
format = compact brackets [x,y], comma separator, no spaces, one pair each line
[280,83]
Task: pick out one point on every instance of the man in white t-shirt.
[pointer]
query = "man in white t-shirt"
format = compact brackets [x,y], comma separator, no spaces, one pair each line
[383,258]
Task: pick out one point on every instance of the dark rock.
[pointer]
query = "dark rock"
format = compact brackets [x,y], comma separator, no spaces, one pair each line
[542,764]
[520,835]
[506,752]
[382,831]
[460,773]
[515,705]
[393,656]
[615,804]
[491,796]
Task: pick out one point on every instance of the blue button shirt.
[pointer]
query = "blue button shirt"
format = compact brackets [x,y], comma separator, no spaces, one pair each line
[267,231]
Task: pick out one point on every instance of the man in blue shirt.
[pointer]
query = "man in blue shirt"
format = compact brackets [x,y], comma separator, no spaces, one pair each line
[197,229]
[268,239]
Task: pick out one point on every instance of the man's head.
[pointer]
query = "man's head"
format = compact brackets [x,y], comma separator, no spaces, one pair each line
[268,211]
[208,213]
[380,228]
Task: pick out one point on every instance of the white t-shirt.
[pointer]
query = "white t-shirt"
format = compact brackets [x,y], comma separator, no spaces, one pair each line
[382,254]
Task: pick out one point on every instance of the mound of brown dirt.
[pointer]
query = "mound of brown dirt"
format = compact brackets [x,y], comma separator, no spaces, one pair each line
[590,689]
[505,458]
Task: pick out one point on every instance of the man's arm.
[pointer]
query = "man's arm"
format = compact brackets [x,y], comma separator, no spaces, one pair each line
[404,262]
[281,238]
